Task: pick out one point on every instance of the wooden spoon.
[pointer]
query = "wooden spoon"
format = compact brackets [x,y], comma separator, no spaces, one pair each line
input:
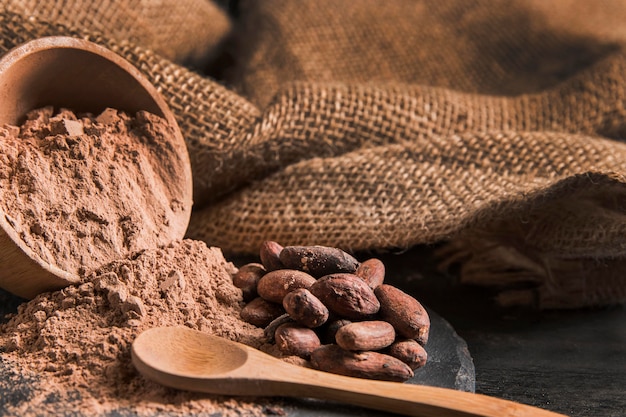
[187,359]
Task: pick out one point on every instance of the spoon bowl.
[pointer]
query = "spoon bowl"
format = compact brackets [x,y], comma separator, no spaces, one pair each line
[187,359]
[73,73]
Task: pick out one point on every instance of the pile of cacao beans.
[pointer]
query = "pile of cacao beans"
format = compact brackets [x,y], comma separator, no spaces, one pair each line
[323,305]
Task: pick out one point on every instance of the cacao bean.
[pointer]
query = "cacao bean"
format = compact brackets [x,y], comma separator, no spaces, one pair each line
[247,278]
[293,339]
[409,352]
[366,335]
[270,255]
[274,285]
[404,312]
[346,295]
[372,365]
[261,312]
[305,308]
[371,271]
[318,260]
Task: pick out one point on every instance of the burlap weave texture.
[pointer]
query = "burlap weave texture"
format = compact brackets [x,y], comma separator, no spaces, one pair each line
[180,30]
[494,126]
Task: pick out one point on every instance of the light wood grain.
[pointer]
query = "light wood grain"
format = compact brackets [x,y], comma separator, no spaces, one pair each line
[186,359]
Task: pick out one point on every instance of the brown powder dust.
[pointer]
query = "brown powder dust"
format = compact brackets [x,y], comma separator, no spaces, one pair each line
[82,191]
[75,343]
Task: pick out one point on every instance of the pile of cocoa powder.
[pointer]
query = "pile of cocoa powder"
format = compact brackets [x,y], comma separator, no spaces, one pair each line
[74,344]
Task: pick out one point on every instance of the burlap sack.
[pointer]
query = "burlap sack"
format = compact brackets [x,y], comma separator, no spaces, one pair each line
[500,47]
[492,126]
[184,31]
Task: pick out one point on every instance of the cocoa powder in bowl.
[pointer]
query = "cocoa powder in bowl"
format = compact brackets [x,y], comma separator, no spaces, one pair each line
[82,190]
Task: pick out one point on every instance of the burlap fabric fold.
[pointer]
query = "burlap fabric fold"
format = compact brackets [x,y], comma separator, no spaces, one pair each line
[185,31]
[495,127]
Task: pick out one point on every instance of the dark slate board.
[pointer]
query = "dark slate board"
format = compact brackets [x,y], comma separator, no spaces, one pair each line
[449,365]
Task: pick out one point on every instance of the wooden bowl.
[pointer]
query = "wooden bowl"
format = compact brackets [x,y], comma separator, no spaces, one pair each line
[84,77]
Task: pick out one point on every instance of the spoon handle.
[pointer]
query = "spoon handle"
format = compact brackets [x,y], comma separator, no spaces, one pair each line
[405,399]
[187,359]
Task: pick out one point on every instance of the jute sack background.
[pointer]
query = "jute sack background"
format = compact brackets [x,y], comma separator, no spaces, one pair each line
[185,31]
[490,124]
[498,47]
[510,154]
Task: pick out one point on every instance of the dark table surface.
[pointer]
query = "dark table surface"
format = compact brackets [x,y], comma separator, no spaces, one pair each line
[571,362]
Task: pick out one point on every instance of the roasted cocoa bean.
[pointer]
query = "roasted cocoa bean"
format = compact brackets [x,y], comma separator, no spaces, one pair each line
[270,255]
[274,285]
[305,308]
[366,335]
[293,339]
[409,352]
[346,295]
[372,365]
[247,278]
[371,271]
[318,260]
[261,312]
[404,312]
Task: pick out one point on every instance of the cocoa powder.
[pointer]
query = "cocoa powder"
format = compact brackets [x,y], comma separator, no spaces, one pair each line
[75,343]
[83,190]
